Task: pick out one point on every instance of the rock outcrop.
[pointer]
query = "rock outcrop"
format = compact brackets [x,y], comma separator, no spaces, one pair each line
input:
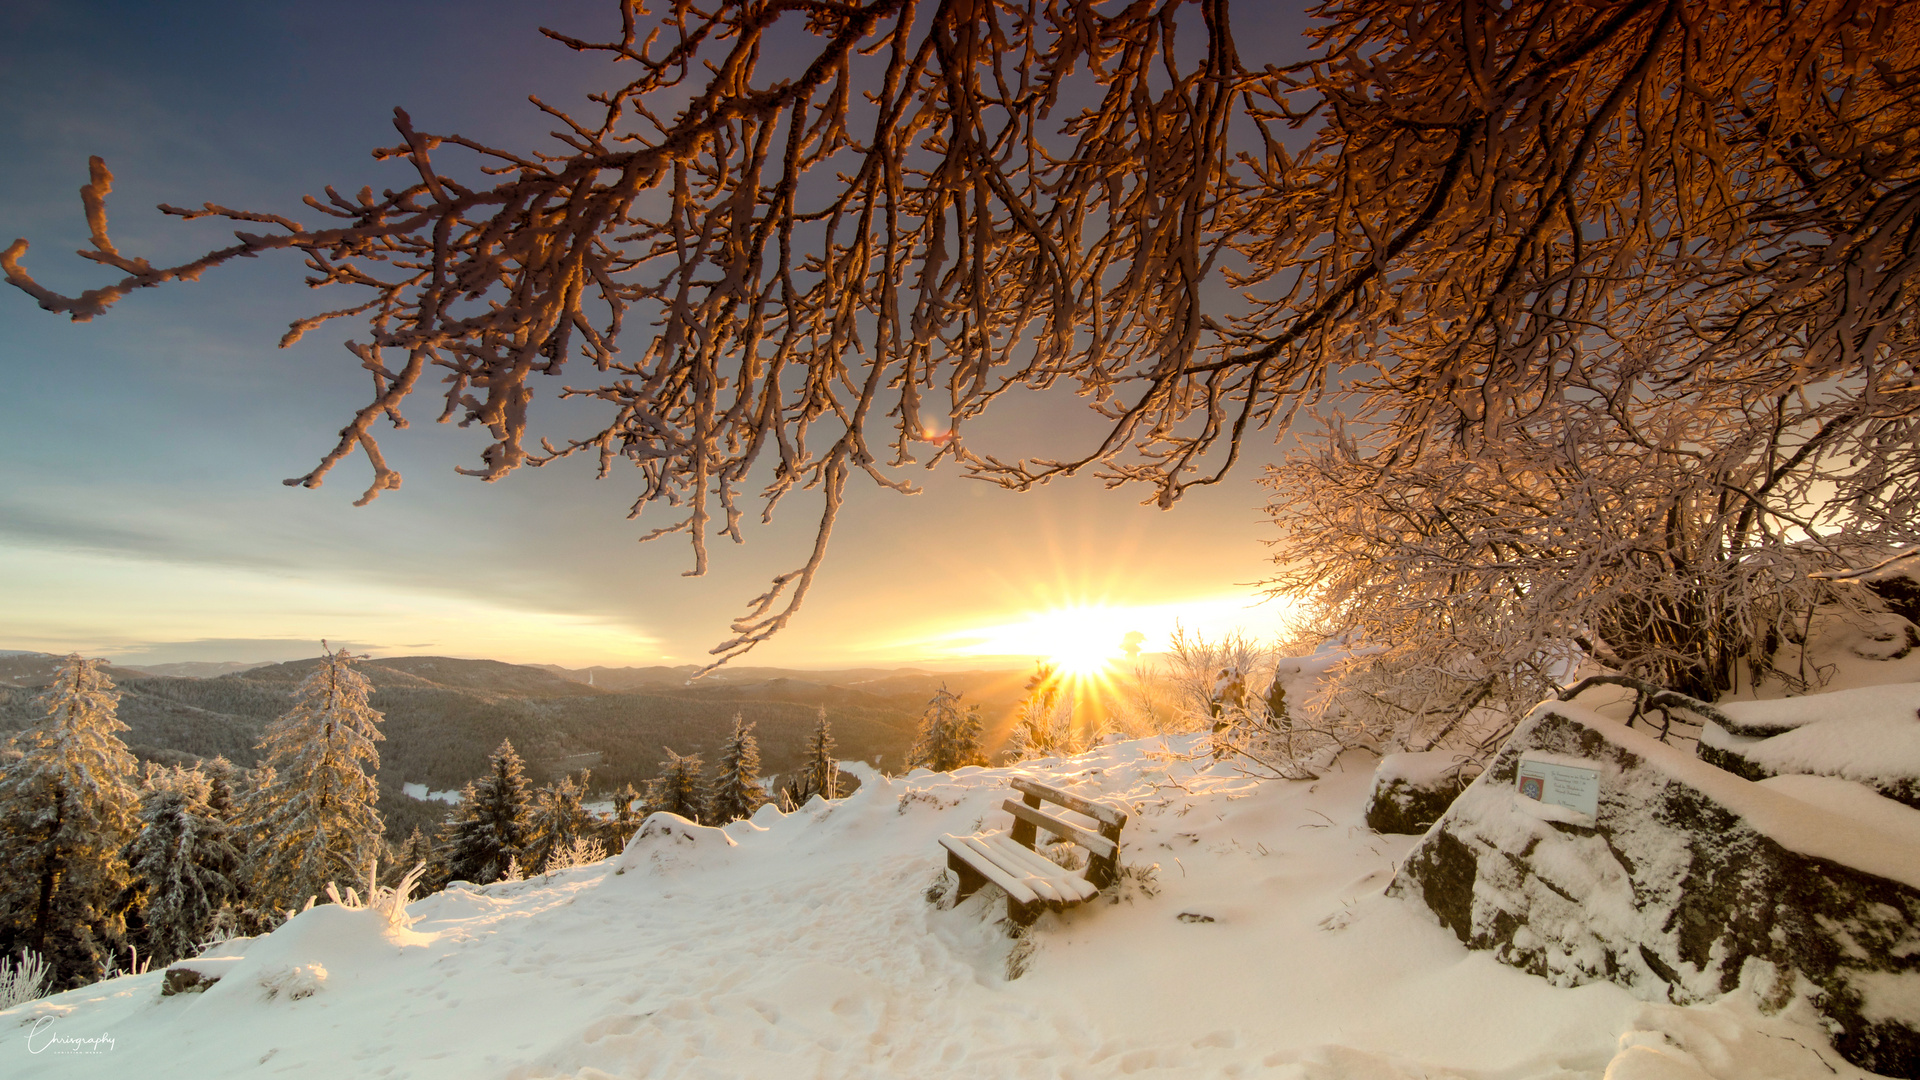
[1686,882]
[1410,791]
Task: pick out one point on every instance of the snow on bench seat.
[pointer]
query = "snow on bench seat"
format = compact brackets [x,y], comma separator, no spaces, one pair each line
[1031,880]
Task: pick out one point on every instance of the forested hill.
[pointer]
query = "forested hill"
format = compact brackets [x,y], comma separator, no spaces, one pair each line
[445,715]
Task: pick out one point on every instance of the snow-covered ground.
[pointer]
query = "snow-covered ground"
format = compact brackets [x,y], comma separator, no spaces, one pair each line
[803,946]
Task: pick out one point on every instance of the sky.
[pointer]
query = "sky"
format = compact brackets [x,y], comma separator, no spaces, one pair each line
[142,514]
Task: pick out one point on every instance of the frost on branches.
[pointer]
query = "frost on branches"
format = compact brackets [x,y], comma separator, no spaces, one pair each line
[67,804]
[314,821]
[1447,220]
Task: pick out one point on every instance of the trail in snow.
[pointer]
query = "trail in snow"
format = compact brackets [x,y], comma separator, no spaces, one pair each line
[803,946]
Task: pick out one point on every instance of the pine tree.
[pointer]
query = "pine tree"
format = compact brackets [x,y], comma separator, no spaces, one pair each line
[677,789]
[67,807]
[558,819]
[313,821]
[949,739]
[823,768]
[412,852]
[736,791]
[182,862]
[490,827]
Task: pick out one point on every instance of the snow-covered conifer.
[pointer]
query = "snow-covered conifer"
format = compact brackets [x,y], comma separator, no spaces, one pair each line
[490,827]
[677,789]
[314,821]
[67,808]
[736,791]
[822,768]
[182,862]
[557,820]
[949,737]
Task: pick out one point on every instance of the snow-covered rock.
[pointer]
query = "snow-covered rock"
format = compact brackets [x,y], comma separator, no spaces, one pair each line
[1687,884]
[1869,735]
[1411,790]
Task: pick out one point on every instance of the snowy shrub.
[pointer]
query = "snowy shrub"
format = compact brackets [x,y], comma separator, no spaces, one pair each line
[390,902]
[23,979]
[580,852]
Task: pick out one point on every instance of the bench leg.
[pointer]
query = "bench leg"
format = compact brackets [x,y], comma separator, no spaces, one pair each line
[970,879]
[1020,914]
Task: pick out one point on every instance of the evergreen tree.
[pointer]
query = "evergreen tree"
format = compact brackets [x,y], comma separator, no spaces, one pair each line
[490,827]
[412,852]
[67,807]
[822,767]
[629,808]
[313,820]
[949,738]
[736,791]
[1044,726]
[558,819]
[677,789]
[182,862]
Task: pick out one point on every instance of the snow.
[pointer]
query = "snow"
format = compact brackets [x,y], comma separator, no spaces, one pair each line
[1422,769]
[1898,701]
[802,944]
[419,793]
[1855,801]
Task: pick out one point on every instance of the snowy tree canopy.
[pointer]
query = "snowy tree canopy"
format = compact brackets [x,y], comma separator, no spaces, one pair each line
[847,230]
[67,806]
[314,821]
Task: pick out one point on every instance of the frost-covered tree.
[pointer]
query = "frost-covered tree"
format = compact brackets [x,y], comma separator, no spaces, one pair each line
[1044,725]
[949,736]
[67,810]
[182,863]
[735,790]
[1672,543]
[822,769]
[844,226]
[556,819]
[490,828]
[314,819]
[678,790]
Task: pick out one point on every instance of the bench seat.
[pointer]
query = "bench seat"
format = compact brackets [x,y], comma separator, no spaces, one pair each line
[1032,881]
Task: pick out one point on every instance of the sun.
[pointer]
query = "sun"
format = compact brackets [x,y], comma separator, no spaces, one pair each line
[1080,642]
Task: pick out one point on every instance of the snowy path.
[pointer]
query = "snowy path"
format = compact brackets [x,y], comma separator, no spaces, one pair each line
[806,948]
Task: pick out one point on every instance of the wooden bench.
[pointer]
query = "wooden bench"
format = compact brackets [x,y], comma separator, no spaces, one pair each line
[1032,881]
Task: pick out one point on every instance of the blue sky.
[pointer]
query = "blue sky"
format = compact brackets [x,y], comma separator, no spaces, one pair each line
[141,509]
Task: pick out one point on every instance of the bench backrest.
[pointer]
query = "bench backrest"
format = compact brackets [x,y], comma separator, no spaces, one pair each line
[1103,845]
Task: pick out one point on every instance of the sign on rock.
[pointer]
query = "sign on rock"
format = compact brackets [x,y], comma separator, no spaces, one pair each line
[1561,784]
